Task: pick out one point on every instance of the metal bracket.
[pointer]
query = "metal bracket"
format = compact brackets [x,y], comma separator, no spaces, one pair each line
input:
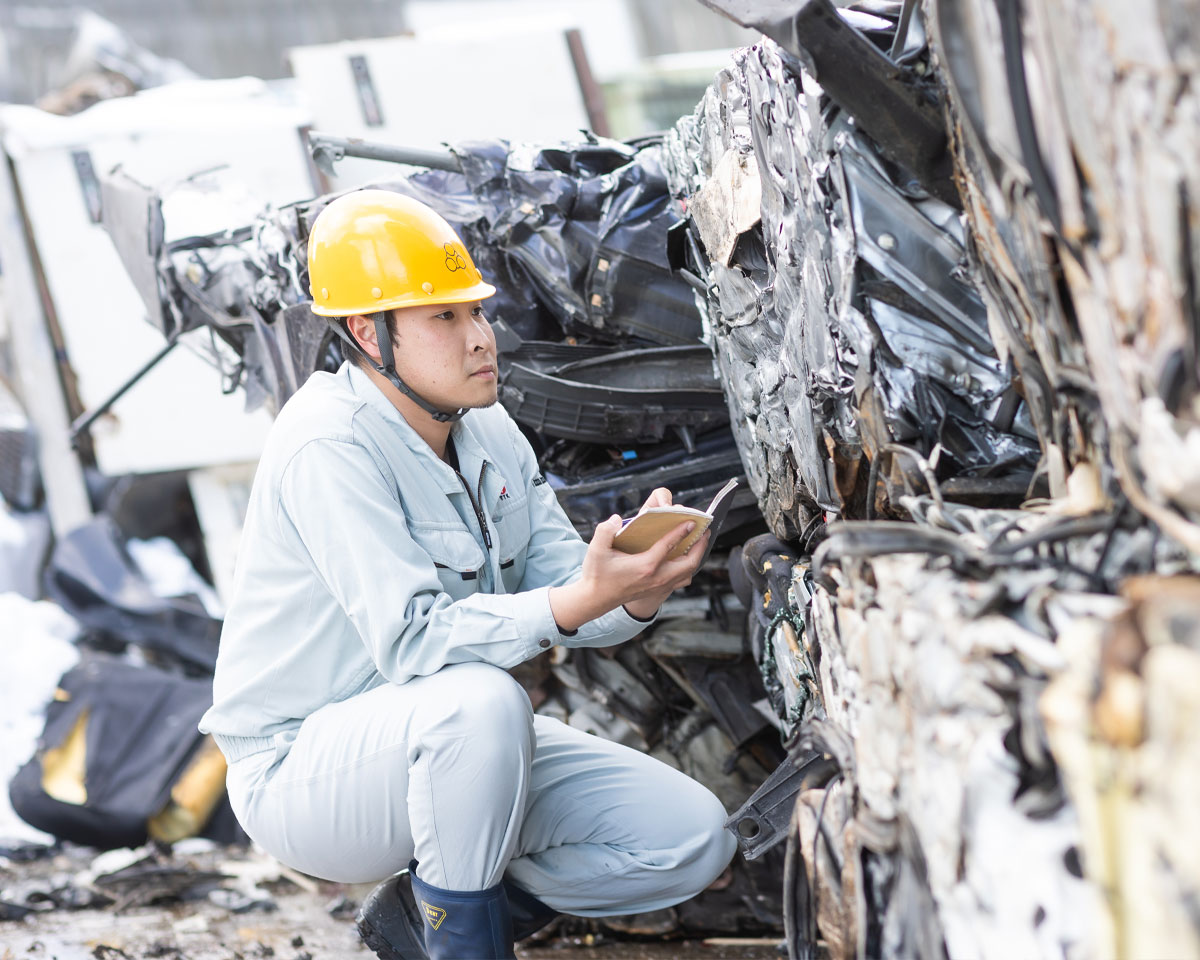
[364,86]
[765,819]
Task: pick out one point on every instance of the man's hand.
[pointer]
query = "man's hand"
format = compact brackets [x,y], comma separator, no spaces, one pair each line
[639,581]
[659,497]
[646,607]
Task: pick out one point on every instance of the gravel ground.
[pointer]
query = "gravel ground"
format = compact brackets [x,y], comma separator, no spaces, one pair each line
[283,916]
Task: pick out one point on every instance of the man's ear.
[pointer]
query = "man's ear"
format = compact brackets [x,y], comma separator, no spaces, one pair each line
[362,330]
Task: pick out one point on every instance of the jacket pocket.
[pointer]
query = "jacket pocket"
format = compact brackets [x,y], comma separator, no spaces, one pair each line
[455,553]
[512,542]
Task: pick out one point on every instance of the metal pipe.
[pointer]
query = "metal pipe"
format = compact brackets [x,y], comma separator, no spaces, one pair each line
[85,420]
[593,96]
[327,150]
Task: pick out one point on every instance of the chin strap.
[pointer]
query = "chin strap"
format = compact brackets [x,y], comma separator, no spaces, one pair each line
[388,367]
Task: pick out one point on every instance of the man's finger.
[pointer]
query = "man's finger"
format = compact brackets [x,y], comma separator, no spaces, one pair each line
[604,533]
[661,550]
[659,497]
[689,562]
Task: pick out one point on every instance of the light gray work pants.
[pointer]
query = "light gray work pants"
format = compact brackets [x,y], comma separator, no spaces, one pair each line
[455,770]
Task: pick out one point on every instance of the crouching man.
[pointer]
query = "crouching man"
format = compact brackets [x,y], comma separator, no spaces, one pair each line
[400,551]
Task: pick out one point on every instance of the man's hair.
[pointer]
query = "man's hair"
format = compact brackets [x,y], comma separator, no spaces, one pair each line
[356,356]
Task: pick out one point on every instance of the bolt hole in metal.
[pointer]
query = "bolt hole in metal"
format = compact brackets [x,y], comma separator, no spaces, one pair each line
[749,828]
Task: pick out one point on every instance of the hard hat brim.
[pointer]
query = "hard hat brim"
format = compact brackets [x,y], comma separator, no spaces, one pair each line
[479,291]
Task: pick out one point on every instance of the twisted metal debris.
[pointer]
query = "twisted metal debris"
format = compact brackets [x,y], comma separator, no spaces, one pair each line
[1003,698]
[1081,189]
[841,317]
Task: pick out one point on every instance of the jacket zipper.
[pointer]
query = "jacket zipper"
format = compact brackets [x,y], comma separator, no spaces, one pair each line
[483,528]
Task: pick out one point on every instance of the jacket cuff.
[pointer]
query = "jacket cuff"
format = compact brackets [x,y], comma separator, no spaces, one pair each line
[637,619]
[535,621]
[614,627]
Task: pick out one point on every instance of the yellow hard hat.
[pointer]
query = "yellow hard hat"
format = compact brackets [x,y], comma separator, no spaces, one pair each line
[374,250]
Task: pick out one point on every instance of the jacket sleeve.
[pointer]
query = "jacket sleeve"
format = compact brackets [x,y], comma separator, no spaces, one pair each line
[337,504]
[555,555]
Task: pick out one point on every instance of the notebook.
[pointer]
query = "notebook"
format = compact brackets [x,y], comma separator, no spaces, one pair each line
[647,528]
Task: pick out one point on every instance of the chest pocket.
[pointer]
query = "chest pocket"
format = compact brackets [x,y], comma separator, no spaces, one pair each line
[511,522]
[458,558]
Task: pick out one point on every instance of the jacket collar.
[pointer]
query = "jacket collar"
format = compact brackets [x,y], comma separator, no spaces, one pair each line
[471,453]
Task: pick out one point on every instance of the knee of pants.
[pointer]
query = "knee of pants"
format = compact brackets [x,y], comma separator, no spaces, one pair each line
[710,845]
[492,709]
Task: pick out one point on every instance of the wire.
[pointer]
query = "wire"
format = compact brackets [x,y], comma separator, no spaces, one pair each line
[810,528]
[820,832]
[1074,527]
[872,480]
[1114,522]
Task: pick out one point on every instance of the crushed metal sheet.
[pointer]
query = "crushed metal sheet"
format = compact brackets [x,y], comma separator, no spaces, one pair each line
[1121,720]
[1081,188]
[728,204]
[845,323]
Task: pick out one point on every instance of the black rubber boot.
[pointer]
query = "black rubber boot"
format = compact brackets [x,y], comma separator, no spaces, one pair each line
[464,924]
[390,923]
[529,914]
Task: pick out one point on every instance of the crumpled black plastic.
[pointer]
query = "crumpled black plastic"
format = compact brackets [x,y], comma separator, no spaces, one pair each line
[92,576]
[574,235]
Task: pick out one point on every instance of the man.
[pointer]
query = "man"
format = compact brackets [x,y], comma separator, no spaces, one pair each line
[400,551]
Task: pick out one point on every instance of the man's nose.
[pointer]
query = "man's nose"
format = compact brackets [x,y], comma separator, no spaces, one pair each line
[481,337]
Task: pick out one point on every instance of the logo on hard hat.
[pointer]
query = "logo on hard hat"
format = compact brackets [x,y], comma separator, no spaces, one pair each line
[454,259]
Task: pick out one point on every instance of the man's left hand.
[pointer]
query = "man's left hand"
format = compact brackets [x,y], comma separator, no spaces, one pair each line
[659,497]
[645,607]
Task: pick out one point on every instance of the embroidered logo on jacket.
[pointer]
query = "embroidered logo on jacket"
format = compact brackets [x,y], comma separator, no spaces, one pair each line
[504,493]
[435,915]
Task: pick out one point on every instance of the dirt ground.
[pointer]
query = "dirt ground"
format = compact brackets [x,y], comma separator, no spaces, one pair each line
[256,910]
[299,930]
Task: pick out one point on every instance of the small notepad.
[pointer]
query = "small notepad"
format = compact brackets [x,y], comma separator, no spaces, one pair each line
[648,527]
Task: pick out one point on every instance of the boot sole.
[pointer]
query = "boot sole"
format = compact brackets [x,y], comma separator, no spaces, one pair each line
[381,947]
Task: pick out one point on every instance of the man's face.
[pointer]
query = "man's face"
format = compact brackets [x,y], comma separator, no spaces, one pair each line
[447,354]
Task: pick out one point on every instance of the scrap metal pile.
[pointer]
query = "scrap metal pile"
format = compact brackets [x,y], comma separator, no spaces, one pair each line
[959,371]
[991,709]
[852,340]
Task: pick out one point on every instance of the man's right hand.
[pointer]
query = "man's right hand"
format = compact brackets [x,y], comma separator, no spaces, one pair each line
[610,578]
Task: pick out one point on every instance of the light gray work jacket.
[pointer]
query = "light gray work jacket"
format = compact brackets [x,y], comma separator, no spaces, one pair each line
[365,560]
